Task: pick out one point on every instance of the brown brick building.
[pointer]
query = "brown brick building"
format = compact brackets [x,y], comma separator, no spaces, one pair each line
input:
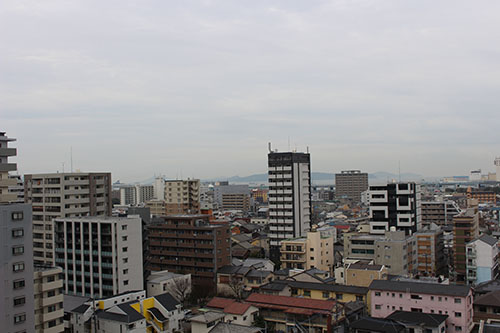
[189,244]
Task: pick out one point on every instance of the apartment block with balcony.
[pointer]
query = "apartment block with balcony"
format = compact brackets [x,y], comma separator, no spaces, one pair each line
[189,244]
[49,311]
[482,257]
[60,195]
[395,205]
[5,180]
[16,268]
[182,196]
[482,196]
[232,197]
[439,212]
[465,229]
[289,197]
[100,256]
[430,257]
[313,251]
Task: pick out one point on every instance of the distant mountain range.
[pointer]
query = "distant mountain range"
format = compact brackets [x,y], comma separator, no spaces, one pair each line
[317,178]
[324,177]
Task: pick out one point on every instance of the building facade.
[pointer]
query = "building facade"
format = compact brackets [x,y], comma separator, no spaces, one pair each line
[58,195]
[191,245]
[182,196]
[17,311]
[289,197]
[452,300]
[439,212]
[482,257]
[313,251]
[350,184]
[132,195]
[100,256]
[465,229]
[49,311]
[395,205]
[430,256]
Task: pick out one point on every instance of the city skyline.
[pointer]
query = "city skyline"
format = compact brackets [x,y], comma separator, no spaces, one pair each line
[199,89]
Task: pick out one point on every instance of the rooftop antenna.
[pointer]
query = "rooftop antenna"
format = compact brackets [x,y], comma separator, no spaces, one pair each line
[71,154]
[289,143]
[399,170]
[269,147]
[62,166]
[307,149]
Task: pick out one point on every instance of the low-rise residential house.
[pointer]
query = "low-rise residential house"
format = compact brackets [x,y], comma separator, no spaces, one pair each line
[362,273]
[310,275]
[235,312]
[419,322]
[376,325]
[204,322]
[486,287]
[487,307]
[177,285]
[482,259]
[234,328]
[233,281]
[452,300]
[128,313]
[316,290]
[283,313]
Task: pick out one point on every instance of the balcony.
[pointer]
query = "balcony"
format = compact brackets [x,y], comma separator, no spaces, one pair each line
[8,167]
[8,182]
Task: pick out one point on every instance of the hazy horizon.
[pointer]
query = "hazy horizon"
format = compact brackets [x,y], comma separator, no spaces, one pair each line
[199,88]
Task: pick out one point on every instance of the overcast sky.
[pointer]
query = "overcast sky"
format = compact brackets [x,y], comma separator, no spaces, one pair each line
[198,88]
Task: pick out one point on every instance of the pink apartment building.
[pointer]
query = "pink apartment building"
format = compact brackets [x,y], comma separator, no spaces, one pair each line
[452,300]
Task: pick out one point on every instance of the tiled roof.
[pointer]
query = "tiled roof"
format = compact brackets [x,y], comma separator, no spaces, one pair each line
[488,240]
[220,302]
[234,328]
[167,301]
[418,318]
[421,288]
[377,325]
[490,299]
[237,308]
[327,287]
[289,302]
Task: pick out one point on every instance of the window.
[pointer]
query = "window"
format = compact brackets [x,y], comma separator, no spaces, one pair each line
[125,260]
[125,282]
[125,271]
[17,250]
[18,284]
[51,308]
[400,295]
[18,267]
[458,301]
[124,227]
[432,298]
[416,297]
[17,216]
[19,301]
[124,238]
[458,328]
[339,296]
[378,306]
[17,233]
[326,294]
[458,314]
[51,293]
[393,295]
[440,298]
[20,318]
[125,249]
[377,293]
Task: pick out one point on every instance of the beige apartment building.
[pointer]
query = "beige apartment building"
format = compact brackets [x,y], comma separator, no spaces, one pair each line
[49,312]
[182,196]
[313,251]
[59,195]
[362,273]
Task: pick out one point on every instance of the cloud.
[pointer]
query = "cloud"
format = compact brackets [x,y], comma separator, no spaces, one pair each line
[152,86]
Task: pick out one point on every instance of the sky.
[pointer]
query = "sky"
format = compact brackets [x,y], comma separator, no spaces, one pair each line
[199,88]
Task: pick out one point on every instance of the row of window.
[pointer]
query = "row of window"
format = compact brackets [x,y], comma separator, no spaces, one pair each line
[416,296]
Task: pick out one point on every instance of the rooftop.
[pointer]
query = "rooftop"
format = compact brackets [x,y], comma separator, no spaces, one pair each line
[421,288]
[287,302]
[490,299]
[418,318]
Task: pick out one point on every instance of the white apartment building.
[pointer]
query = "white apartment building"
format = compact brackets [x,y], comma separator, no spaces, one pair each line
[49,311]
[58,195]
[100,256]
[132,195]
[289,197]
[482,259]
